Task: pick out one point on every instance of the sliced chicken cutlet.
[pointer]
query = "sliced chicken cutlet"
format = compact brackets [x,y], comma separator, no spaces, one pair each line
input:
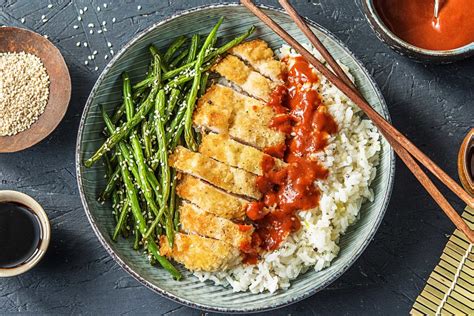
[228,178]
[198,253]
[222,148]
[225,111]
[196,221]
[250,81]
[211,199]
[261,57]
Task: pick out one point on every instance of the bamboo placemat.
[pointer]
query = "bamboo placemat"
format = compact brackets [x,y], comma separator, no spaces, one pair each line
[450,287]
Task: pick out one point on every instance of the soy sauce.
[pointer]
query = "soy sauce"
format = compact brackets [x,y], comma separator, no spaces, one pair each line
[20,233]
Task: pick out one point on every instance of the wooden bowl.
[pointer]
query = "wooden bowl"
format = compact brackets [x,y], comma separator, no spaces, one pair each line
[465,163]
[407,49]
[15,39]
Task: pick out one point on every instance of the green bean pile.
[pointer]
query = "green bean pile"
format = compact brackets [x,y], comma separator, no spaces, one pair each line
[154,117]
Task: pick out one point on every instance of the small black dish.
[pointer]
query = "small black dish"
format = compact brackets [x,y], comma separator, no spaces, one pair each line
[407,49]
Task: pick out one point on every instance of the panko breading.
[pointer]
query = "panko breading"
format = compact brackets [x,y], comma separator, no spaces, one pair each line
[232,153]
[211,199]
[261,57]
[198,253]
[196,221]
[228,178]
[252,82]
[224,111]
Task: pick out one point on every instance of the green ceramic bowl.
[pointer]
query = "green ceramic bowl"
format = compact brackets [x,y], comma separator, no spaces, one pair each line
[107,91]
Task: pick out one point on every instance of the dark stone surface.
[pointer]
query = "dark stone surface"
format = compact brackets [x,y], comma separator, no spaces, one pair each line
[432,105]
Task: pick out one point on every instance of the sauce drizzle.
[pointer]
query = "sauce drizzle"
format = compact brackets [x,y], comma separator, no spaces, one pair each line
[304,118]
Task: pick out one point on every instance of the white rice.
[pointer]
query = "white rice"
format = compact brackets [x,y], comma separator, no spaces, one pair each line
[351,158]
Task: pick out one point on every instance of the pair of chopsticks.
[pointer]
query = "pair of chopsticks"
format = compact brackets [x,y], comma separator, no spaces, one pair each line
[405,149]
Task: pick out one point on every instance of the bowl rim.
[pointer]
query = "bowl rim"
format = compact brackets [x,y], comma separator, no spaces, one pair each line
[373,16]
[187,302]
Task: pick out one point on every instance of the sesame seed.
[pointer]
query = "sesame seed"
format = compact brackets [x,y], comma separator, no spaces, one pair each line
[50,6]
[104,23]
[81,11]
[99,31]
[24,81]
[94,53]
[78,44]
[106,56]
[91,31]
[79,18]
[109,44]
[139,7]
[113,20]
[96,68]
[105,5]
[90,25]
[22,20]
[85,44]
[43,16]
[98,9]
[75,26]
[86,62]
[85,9]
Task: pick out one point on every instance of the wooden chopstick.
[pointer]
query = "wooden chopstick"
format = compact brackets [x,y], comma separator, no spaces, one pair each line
[344,81]
[352,94]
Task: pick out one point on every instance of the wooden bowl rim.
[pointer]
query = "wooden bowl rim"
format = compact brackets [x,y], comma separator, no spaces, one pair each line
[59,91]
[463,170]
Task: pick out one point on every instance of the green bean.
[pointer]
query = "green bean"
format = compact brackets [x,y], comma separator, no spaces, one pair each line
[178,59]
[136,242]
[122,219]
[172,207]
[154,52]
[143,171]
[147,140]
[111,183]
[191,101]
[173,99]
[162,149]
[127,96]
[174,46]
[118,134]
[193,48]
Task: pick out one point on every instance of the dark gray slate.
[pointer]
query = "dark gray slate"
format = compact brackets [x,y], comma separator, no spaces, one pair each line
[432,105]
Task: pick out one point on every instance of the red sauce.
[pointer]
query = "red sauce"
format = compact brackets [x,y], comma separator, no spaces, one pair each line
[304,118]
[414,22]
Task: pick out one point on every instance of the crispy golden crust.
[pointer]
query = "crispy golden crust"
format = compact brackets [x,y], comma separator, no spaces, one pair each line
[228,178]
[260,56]
[232,153]
[224,111]
[196,221]
[198,253]
[252,82]
[211,199]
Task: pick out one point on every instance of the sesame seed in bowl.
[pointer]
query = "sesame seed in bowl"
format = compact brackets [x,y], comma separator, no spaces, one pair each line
[35,88]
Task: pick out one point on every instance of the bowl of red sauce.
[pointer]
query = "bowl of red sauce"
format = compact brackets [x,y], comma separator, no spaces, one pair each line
[410,27]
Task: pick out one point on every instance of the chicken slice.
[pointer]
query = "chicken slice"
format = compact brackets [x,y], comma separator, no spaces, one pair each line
[222,148]
[198,253]
[196,221]
[211,199]
[228,178]
[224,111]
[250,81]
[261,57]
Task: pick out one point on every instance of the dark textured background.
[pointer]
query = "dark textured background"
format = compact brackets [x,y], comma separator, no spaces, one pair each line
[432,105]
